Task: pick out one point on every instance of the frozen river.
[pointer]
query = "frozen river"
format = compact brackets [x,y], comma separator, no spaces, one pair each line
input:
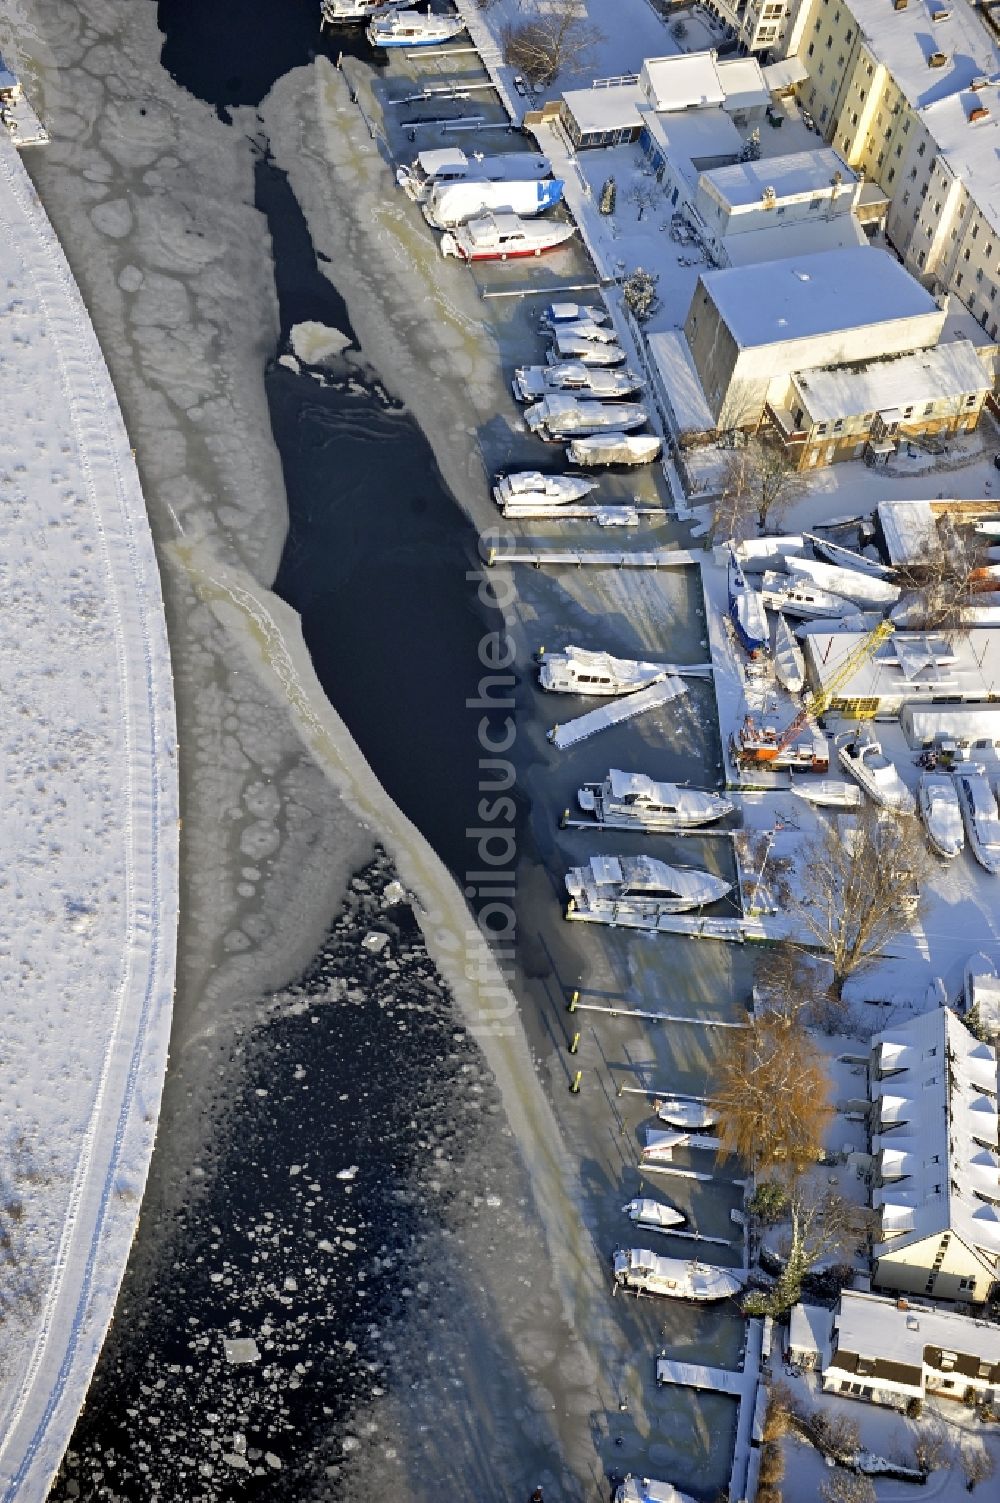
[370,1180]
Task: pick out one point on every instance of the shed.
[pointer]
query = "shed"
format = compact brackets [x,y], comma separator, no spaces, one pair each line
[809,1331]
[909,532]
[974,724]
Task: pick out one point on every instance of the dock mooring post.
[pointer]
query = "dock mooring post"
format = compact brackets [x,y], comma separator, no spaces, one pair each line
[574,1085]
[574,999]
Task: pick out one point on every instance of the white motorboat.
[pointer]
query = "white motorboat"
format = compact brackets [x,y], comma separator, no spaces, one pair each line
[614,448]
[559,315]
[648,1490]
[695,1115]
[344,12]
[449,164]
[451,204]
[941,812]
[645,1211]
[577,670]
[799,597]
[864,589]
[828,793]
[645,1272]
[633,801]
[589,331]
[504,237]
[988,529]
[599,383]
[571,347]
[532,485]
[861,755]
[610,888]
[412,28]
[979,810]
[746,609]
[833,553]
[789,664]
[560,416]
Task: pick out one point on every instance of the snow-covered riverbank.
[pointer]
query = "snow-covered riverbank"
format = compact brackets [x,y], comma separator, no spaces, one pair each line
[89,821]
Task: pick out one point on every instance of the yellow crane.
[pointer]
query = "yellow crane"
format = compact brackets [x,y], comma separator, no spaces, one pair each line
[754,743]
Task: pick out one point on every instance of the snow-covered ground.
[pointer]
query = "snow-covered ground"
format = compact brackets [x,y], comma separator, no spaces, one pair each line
[89,828]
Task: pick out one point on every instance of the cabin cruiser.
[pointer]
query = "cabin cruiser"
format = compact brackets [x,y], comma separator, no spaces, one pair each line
[648,1490]
[941,812]
[695,1115]
[864,589]
[645,1211]
[448,165]
[610,888]
[531,486]
[596,382]
[343,12]
[560,416]
[504,237]
[589,329]
[633,801]
[645,1272]
[746,609]
[789,664]
[558,315]
[577,670]
[799,597]
[979,810]
[828,793]
[614,448]
[412,28]
[451,204]
[861,755]
[572,347]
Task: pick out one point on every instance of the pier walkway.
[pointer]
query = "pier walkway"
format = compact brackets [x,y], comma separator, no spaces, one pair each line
[742,1385]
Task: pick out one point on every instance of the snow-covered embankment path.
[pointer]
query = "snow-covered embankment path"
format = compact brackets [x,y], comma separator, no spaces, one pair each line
[89,833]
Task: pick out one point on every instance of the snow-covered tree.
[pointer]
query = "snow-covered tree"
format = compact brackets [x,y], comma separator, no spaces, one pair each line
[751,149]
[641,296]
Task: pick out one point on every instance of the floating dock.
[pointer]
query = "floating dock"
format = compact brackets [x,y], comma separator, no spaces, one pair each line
[616,712]
[580,558]
[574,822]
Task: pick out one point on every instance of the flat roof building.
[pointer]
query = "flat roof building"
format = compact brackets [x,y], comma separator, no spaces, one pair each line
[910,666]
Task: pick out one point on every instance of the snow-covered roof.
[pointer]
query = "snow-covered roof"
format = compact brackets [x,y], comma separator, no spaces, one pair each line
[801,237]
[784,74]
[943,1095]
[909,530]
[613,108]
[889,1330]
[809,1328]
[684,81]
[700,140]
[444,156]
[911,664]
[935,375]
[675,368]
[742,83]
[925,723]
[802,297]
[801,174]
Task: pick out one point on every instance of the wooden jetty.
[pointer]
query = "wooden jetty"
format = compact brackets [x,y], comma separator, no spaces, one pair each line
[579,558]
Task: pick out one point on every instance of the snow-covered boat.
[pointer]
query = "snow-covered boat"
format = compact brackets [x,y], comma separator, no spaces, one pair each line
[577,670]
[800,597]
[344,12]
[504,237]
[645,1272]
[746,609]
[588,329]
[558,315]
[865,589]
[692,1114]
[861,755]
[596,382]
[612,887]
[532,485]
[789,664]
[941,812]
[412,28]
[645,1211]
[449,164]
[560,416]
[979,810]
[828,793]
[631,800]
[648,1490]
[453,204]
[614,448]
[572,347]
[846,558]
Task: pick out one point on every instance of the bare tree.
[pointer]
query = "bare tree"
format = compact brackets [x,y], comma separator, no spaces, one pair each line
[932,1448]
[837,1435]
[772,1093]
[540,46]
[644,195]
[944,580]
[977,1465]
[791,981]
[758,485]
[848,1487]
[857,892]
[821,1223]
